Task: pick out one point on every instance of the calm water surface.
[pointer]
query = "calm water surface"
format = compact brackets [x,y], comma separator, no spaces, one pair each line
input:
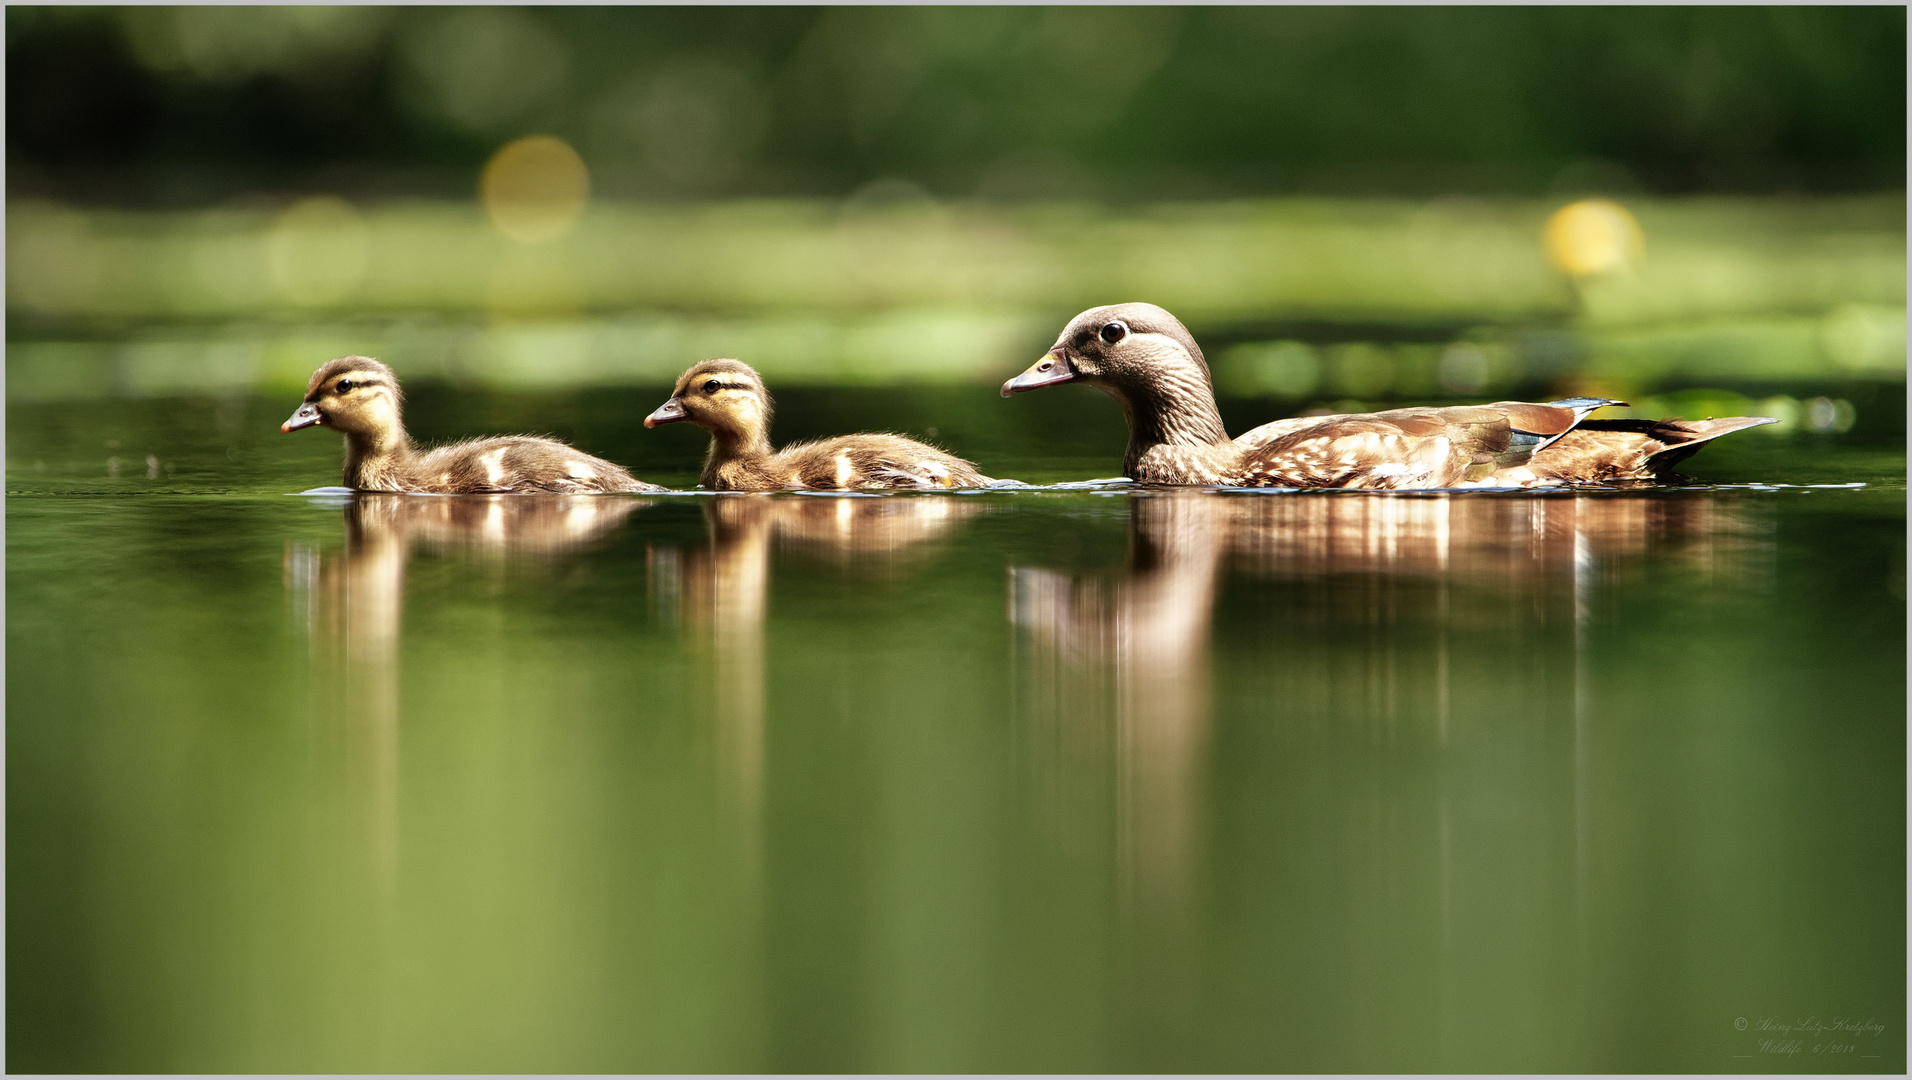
[1092,780]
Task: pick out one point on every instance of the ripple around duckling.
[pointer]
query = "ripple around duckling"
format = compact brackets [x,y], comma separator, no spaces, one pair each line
[999,487]
[327,496]
[842,494]
[352,493]
[343,496]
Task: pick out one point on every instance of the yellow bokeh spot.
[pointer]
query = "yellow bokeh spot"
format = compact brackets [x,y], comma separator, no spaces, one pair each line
[317,250]
[534,188]
[1594,236]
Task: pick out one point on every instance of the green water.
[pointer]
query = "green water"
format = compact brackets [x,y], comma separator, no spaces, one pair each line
[1056,780]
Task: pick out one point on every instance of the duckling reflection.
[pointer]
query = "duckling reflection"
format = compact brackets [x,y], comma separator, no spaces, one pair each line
[725,584]
[722,593]
[540,527]
[891,530]
[725,597]
[352,604]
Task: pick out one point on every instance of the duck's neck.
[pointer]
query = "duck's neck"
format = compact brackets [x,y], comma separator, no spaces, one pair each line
[734,444]
[374,459]
[1176,409]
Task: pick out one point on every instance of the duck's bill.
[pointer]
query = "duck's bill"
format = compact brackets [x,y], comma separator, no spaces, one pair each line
[1048,371]
[307,415]
[668,413]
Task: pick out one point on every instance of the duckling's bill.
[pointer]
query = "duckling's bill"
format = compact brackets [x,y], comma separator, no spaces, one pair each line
[670,412]
[1053,368]
[306,415]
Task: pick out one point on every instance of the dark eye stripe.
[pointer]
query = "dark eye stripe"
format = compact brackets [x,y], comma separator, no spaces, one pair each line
[345,385]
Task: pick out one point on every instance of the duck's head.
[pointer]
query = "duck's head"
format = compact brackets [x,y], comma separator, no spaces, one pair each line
[1125,349]
[355,394]
[724,397]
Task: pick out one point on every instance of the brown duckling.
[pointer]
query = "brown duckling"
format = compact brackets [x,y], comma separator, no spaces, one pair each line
[360,397]
[727,398]
[1143,357]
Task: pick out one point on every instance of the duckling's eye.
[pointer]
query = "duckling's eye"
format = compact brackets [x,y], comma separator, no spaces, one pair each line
[344,385]
[1114,332]
[713,386]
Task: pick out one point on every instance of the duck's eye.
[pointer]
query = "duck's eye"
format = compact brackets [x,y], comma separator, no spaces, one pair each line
[345,385]
[713,386]
[1114,332]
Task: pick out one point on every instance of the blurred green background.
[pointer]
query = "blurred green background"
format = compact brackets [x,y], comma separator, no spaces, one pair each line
[189,106]
[1346,205]
[1079,781]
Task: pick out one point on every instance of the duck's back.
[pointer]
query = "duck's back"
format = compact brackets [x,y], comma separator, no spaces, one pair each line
[850,462]
[519,464]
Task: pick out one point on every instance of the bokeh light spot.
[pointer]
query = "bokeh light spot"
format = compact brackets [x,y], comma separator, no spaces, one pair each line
[1594,236]
[533,189]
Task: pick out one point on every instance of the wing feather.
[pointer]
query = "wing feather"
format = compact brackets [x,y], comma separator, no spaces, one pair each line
[1429,446]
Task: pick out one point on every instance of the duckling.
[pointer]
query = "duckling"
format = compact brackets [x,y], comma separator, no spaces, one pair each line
[727,398]
[1145,358]
[360,397]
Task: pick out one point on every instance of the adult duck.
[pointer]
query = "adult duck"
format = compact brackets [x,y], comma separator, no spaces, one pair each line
[728,399]
[1146,359]
[360,398]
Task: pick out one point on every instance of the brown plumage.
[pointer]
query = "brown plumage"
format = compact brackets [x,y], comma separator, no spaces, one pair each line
[727,398]
[1146,359]
[360,397]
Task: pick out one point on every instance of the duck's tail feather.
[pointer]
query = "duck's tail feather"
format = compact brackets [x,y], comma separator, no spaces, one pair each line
[1681,438]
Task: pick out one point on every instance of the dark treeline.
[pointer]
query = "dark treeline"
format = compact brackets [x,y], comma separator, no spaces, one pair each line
[156,106]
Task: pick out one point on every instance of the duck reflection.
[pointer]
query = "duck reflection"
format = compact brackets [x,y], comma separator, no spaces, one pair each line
[1119,672]
[1149,629]
[1522,563]
[1338,593]
[351,604]
[1481,539]
[720,594]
